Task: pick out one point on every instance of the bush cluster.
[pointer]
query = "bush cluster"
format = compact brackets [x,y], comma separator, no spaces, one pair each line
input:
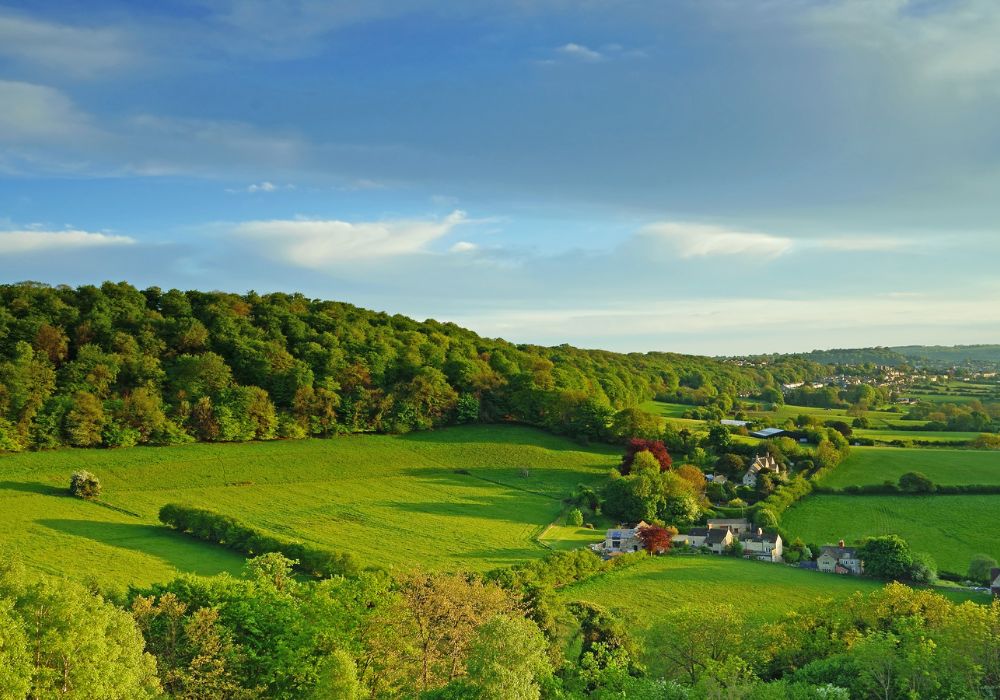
[231,533]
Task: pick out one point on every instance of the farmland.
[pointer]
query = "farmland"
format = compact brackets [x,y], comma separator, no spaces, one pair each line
[875,465]
[644,592]
[952,529]
[390,500]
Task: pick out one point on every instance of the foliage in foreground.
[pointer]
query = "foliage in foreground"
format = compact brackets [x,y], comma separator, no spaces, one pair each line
[441,636]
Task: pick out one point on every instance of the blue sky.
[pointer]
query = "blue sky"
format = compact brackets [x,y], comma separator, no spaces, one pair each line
[711,176]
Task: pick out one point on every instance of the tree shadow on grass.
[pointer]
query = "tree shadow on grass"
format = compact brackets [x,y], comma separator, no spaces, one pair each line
[34,487]
[172,548]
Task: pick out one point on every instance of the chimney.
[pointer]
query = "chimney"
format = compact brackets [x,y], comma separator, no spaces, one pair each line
[760,531]
[840,544]
[710,526]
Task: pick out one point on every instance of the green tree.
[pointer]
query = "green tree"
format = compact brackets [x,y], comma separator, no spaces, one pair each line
[980,568]
[574,517]
[508,660]
[915,482]
[887,557]
[85,420]
[83,484]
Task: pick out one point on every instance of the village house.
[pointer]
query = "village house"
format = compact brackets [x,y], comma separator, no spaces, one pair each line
[621,539]
[716,478]
[717,535]
[840,560]
[763,463]
[766,433]
[761,546]
[737,525]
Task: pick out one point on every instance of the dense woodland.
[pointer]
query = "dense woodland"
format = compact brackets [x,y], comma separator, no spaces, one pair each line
[115,366]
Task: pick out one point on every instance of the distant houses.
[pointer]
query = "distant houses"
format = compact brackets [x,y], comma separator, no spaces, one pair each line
[763,463]
[721,533]
[840,560]
[765,433]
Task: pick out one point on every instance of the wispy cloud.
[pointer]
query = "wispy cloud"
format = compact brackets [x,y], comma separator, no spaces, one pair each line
[79,51]
[949,44]
[34,241]
[266,186]
[699,240]
[320,243]
[861,245]
[33,114]
[579,52]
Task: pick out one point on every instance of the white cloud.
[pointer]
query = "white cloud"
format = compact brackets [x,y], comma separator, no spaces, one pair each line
[862,245]
[579,52]
[624,325]
[36,113]
[266,186]
[699,240]
[950,44]
[464,247]
[319,243]
[34,241]
[79,51]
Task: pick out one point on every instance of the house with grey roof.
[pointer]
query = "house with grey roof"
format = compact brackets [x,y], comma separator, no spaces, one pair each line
[762,463]
[621,540]
[840,560]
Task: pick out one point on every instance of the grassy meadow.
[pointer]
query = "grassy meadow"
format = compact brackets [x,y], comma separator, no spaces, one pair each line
[645,592]
[394,501]
[875,465]
[952,529]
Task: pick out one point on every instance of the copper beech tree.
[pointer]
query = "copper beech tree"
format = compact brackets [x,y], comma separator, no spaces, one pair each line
[654,447]
[656,539]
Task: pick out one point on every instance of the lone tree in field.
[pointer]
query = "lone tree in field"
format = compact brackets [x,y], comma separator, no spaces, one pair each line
[980,567]
[654,447]
[656,539]
[915,482]
[85,485]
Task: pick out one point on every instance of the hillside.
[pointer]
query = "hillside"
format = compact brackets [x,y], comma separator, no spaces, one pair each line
[114,366]
[469,498]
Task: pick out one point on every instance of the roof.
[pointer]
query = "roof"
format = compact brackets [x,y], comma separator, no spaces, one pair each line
[737,423]
[765,537]
[698,532]
[767,432]
[724,522]
[717,535]
[839,552]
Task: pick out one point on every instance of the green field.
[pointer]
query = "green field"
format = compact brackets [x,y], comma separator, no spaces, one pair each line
[875,465]
[764,592]
[952,529]
[909,436]
[394,501]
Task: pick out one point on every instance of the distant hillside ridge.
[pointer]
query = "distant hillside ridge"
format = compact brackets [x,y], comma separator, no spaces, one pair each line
[115,366]
[925,356]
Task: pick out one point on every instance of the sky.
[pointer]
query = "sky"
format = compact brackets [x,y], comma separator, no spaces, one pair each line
[707,176]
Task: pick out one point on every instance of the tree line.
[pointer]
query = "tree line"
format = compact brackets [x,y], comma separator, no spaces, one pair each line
[114,366]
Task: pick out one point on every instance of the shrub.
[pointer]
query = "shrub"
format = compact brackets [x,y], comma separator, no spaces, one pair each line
[915,482]
[232,534]
[575,517]
[980,566]
[85,485]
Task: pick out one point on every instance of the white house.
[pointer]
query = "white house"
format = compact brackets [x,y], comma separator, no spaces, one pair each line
[763,463]
[737,525]
[840,560]
[761,545]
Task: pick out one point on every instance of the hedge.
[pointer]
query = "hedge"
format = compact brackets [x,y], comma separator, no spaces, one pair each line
[229,532]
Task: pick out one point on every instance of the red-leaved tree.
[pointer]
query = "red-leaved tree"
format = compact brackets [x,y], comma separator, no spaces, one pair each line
[656,539]
[637,445]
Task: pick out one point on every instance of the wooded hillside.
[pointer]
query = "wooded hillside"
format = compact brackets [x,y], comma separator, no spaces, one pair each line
[116,366]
